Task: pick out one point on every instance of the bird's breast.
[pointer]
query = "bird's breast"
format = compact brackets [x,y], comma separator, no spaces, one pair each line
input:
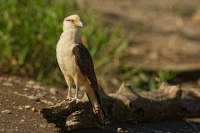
[66,60]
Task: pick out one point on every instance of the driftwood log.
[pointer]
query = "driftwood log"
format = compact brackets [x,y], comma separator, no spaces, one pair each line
[168,102]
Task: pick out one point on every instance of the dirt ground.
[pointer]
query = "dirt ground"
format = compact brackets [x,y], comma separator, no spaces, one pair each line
[21,101]
[166,33]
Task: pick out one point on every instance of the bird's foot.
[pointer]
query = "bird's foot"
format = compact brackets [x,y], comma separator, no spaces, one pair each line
[76,99]
[68,98]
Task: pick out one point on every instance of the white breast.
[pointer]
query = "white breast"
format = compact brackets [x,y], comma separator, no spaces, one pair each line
[65,57]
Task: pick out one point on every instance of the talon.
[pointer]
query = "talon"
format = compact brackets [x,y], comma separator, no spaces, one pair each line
[68,98]
[76,99]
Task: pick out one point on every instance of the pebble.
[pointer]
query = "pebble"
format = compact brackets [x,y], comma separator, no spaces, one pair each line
[35,125]
[36,86]
[53,91]
[26,89]
[120,130]
[42,125]
[19,107]
[6,111]
[37,99]
[40,94]
[2,130]
[4,79]
[31,82]
[28,86]
[27,107]
[54,98]
[34,110]
[10,79]
[7,84]
[17,129]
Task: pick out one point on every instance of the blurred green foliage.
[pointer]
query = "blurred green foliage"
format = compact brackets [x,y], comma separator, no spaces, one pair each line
[30,30]
[29,33]
[145,80]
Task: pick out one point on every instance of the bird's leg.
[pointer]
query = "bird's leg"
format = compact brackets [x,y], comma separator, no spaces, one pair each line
[76,93]
[69,93]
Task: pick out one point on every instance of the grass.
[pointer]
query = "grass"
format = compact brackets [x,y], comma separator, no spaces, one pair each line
[29,32]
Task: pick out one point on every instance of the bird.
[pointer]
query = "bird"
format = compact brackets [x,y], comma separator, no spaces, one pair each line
[76,64]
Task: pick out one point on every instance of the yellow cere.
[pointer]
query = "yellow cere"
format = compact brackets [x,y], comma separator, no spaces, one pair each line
[75,22]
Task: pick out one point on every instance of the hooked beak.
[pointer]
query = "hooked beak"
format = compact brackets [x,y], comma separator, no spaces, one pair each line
[79,24]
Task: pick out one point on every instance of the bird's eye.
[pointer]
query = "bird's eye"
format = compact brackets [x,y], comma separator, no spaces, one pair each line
[72,21]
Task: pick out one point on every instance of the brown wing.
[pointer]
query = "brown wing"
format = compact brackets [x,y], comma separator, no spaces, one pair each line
[85,63]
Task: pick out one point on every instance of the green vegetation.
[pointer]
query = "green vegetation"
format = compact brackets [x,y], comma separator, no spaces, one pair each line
[145,80]
[29,31]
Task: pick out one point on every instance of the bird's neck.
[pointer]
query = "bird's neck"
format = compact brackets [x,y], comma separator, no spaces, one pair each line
[72,35]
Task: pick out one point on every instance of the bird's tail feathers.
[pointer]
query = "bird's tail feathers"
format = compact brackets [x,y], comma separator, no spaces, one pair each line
[97,108]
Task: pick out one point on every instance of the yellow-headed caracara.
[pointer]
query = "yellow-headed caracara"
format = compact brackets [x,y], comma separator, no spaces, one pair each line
[76,64]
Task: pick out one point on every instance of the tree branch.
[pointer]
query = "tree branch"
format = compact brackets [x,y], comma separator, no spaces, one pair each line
[168,102]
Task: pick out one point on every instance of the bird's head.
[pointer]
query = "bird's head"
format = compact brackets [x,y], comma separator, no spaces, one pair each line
[72,22]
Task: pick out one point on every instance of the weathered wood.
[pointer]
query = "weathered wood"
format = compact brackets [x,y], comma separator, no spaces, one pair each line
[168,102]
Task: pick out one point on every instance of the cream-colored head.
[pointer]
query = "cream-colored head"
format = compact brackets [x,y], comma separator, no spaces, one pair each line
[72,22]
